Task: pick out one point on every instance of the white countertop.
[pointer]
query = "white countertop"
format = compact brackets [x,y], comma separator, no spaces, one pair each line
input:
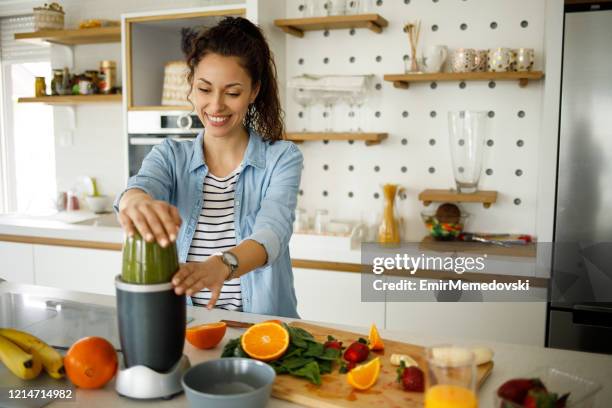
[510,360]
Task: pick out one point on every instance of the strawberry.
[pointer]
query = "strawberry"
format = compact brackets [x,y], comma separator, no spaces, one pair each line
[516,390]
[357,352]
[411,378]
[539,398]
[333,343]
[345,368]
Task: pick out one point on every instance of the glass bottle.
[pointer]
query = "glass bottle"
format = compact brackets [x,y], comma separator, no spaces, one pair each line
[389,229]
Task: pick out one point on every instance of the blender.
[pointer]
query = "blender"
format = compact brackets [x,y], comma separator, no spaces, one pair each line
[152,320]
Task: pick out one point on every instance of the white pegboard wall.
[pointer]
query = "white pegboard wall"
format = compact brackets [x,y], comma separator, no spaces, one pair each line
[344,178]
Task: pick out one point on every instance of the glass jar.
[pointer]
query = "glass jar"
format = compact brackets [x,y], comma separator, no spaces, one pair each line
[40,87]
[56,82]
[108,76]
[320,221]
[95,79]
[301,221]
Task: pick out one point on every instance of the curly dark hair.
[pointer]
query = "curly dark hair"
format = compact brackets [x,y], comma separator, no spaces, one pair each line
[238,37]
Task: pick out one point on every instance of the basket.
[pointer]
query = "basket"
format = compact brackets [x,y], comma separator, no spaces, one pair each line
[176,88]
[48,18]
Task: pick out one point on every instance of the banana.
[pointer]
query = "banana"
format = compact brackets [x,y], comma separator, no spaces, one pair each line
[51,359]
[23,365]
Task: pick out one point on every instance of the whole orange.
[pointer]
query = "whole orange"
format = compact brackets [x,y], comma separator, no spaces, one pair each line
[206,336]
[91,362]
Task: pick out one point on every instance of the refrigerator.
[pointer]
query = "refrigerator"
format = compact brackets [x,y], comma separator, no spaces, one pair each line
[580,304]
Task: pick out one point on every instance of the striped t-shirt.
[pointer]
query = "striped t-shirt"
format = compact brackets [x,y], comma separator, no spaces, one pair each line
[215,233]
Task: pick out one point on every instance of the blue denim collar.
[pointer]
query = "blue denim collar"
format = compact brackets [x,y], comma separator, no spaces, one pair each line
[254,155]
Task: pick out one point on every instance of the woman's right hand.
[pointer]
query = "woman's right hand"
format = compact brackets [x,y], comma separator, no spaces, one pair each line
[154,219]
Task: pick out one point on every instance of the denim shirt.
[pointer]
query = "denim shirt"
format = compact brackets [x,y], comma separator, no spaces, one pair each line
[264,208]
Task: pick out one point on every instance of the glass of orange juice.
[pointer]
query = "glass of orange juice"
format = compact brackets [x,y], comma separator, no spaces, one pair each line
[451,378]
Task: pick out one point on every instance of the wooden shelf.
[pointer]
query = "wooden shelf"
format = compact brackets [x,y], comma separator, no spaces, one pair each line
[369,138]
[73,37]
[523,251]
[72,99]
[297,26]
[485,197]
[403,81]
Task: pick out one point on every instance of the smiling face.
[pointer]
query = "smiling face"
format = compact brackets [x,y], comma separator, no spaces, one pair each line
[222,92]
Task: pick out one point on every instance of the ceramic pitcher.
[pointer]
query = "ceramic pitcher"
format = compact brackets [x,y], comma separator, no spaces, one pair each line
[434,58]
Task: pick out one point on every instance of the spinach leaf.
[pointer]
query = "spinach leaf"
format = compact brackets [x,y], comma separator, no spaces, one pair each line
[330,354]
[325,366]
[310,371]
[314,350]
[228,350]
[294,363]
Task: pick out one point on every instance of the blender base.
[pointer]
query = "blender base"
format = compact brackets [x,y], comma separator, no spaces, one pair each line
[141,382]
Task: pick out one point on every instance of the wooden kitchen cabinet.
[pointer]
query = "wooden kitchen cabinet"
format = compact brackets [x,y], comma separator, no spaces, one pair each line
[335,297]
[16,262]
[508,322]
[80,269]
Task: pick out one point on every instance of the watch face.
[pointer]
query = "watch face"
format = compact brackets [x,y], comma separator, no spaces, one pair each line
[230,258]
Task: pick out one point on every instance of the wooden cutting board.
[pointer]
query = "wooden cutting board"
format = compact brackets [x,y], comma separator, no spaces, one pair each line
[336,392]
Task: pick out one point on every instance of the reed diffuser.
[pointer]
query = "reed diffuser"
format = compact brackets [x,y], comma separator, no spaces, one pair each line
[413,30]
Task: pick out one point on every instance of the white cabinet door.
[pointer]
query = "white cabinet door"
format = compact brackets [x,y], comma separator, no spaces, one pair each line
[16,262]
[81,269]
[488,320]
[335,297]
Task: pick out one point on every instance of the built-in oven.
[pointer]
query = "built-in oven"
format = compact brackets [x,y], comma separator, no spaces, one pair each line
[149,128]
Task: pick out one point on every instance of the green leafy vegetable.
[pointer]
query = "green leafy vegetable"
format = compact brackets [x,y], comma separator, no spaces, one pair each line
[310,371]
[305,357]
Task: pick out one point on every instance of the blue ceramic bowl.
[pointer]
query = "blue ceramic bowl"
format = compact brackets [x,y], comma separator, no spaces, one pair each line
[229,383]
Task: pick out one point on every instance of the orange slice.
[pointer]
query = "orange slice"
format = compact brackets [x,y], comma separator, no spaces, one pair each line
[364,376]
[206,336]
[265,341]
[375,342]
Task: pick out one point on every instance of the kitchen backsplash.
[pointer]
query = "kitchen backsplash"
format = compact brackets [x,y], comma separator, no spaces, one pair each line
[346,178]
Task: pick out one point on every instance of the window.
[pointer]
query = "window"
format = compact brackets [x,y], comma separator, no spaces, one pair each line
[28,183]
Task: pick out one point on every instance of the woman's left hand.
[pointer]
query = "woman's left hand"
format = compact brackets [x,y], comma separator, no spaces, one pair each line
[193,277]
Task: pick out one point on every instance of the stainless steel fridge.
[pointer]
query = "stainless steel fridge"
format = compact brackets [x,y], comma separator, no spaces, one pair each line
[580,307]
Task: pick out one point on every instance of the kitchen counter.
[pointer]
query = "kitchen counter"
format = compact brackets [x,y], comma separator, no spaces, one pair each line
[87,230]
[510,360]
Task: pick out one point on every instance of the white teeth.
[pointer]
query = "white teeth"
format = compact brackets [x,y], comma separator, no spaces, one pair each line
[218,119]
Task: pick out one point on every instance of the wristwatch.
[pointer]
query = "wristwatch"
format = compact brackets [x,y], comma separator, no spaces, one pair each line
[231,260]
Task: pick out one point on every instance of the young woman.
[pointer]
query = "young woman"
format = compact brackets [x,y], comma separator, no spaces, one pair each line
[228,199]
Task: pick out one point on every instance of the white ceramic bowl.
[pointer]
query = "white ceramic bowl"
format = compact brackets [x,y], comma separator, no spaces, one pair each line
[97,204]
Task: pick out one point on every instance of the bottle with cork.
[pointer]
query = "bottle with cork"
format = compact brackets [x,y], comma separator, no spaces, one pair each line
[108,76]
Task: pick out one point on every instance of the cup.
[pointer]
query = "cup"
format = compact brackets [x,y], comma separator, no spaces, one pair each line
[524,59]
[500,60]
[481,59]
[452,377]
[434,58]
[463,60]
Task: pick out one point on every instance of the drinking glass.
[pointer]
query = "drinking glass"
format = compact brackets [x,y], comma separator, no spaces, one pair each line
[305,99]
[329,100]
[310,8]
[355,101]
[365,6]
[353,7]
[452,378]
[467,133]
[320,221]
[336,7]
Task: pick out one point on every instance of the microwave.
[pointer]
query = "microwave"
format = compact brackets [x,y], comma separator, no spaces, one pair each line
[149,128]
